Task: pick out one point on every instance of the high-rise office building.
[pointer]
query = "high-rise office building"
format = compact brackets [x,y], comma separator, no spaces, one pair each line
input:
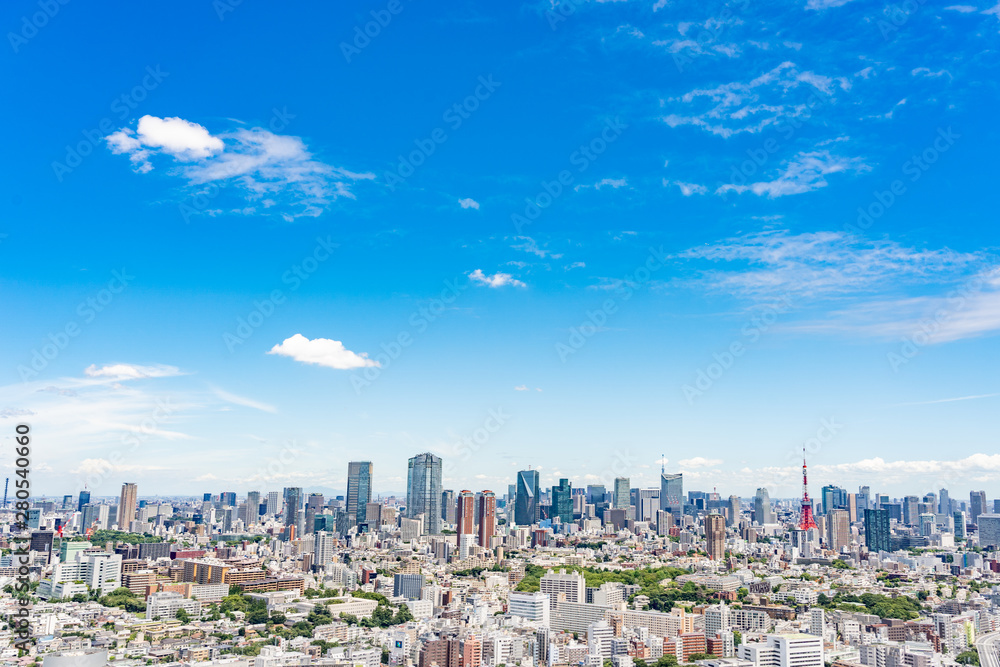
[359,489]
[864,499]
[838,529]
[596,494]
[314,506]
[423,491]
[227,499]
[877,534]
[84,499]
[833,497]
[623,493]
[448,506]
[944,502]
[715,536]
[323,548]
[487,518]
[273,503]
[562,501]
[526,511]
[127,506]
[672,494]
[253,507]
[989,531]
[293,511]
[762,512]
[959,518]
[910,510]
[977,505]
[465,513]
[733,511]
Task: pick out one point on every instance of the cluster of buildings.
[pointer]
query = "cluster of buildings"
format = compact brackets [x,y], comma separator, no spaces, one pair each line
[561,576]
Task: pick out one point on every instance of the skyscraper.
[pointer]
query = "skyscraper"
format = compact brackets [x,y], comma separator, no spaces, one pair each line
[359,489]
[314,506]
[487,518]
[465,516]
[84,499]
[562,501]
[838,529]
[672,494]
[448,506]
[734,511]
[253,507]
[623,491]
[423,491]
[715,536]
[527,508]
[762,513]
[877,530]
[126,506]
[293,511]
[944,502]
[977,505]
[273,503]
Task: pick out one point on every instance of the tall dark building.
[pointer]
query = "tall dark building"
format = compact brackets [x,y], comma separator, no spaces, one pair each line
[227,499]
[293,511]
[423,491]
[877,532]
[562,501]
[314,506]
[486,516]
[359,489]
[84,499]
[526,508]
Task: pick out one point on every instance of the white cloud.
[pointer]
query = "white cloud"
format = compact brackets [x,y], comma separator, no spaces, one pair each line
[805,172]
[825,4]
[613,183]
[468,203]
[496,280]
[765,264]
[322,352]
[130,371]
[260,166]
[244,401]
[752,106]
[699,462]
[687,189]
[7,413]
[964,9]
[530,245]
[521,387]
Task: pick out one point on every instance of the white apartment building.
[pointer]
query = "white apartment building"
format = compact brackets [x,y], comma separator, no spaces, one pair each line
[165,605]
[532,606]
[785,650]
[563,586]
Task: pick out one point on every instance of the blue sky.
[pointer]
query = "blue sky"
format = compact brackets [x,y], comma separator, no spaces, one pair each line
[243,245]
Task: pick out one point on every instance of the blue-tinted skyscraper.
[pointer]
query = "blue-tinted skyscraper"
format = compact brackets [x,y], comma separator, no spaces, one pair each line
[672,494]
[877,535]
[359,489]
[84,499]
[423,491]
[526,508]
[562,501]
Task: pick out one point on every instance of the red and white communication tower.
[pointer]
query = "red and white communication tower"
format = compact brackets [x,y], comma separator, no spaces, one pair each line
[806,520]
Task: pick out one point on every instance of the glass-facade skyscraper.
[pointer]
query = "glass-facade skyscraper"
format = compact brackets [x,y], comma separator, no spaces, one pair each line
[672,494]
[562,501]
[623,493]
[526,508]
[423,491]
[293,511]
[877,530]
[359,489]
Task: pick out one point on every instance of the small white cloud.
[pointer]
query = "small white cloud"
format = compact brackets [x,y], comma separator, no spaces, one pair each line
[130,371]
[699,462]
[6,413]
[496,280]
[825,4]
[521,387]
[530,245]
[468,203]
[964,9]
[575,265]
[687,189]
[321,352]
[613,183]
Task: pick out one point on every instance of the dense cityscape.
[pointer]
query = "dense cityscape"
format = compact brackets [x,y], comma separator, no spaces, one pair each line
[595,576]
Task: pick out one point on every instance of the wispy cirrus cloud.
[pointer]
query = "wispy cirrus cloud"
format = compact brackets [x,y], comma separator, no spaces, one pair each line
[762,265]
[803,173]
[265,168]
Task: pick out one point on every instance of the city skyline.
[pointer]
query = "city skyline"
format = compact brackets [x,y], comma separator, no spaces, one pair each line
[719,249]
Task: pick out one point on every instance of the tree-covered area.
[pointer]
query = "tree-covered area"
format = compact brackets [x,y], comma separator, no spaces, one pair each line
[476,571]
[124,599]
[384,616]
[102,537]
[901,607]
[968,657]
[255,610]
